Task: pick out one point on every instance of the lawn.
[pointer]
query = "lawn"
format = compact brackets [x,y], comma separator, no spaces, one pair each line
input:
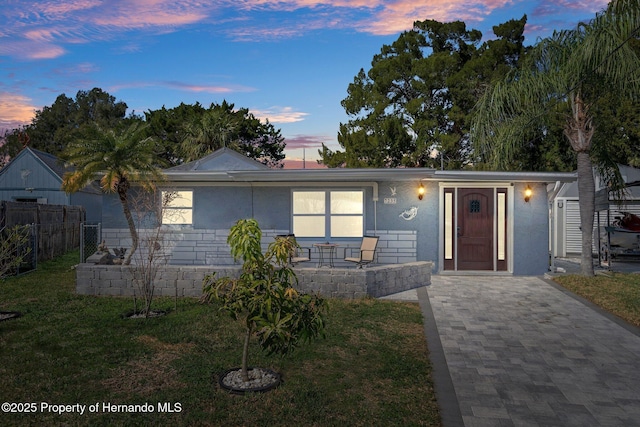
[372,368]
[617,293]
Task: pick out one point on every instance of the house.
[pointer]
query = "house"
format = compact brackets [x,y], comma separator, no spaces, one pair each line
[462,221]
[35,176]
[566,235]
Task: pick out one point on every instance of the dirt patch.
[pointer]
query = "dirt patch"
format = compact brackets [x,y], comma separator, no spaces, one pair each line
[151,373]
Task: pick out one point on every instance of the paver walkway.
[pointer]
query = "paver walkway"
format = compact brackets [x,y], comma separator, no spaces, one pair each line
[518,351]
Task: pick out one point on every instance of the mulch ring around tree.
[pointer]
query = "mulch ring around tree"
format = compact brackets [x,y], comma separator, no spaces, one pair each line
[6,315]
[141,314]
[260,380]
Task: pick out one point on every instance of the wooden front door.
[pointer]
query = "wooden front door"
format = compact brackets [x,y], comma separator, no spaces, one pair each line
[475,222]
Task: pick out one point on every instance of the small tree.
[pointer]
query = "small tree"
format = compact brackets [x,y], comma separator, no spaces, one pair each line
[263,296]
[13,248]
[153,251]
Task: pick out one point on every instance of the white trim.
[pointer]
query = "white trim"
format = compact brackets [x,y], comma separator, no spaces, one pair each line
[509,218]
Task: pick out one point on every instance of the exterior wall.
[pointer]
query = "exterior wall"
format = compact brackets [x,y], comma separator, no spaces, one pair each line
[44,183]
[187,246]
[186,281]
[404,237]
[396,199]
[530,231]
[216,209]
[92,204]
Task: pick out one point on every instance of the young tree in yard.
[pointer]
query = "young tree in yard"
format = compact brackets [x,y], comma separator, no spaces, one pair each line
[568,76]
[263,296]
[14,248]
[119,159]
[153,242]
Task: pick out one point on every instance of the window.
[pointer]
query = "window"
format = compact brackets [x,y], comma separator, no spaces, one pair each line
[177,207]
[325,214]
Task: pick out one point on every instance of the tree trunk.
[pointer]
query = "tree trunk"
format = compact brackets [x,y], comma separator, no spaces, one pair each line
[579,131]
[245,356]
[132,226]
[586,195]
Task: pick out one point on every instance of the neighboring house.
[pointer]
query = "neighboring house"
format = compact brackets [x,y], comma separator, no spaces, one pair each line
[464,222]
[35,176]
[567,236]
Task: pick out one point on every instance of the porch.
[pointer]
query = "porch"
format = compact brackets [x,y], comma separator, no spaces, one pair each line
[186,280]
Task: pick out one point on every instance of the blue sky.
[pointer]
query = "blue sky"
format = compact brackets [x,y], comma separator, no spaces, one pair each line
[289,61]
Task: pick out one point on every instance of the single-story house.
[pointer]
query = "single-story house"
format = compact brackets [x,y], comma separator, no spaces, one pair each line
[462,221]
[35,176]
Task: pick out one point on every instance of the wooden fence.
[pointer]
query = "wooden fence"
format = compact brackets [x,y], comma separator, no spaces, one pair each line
[58,226]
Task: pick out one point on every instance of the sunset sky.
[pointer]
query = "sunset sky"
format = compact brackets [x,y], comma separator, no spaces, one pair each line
[289,61]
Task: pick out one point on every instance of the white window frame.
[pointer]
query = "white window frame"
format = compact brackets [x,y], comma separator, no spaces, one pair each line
[325,230]
[178,211]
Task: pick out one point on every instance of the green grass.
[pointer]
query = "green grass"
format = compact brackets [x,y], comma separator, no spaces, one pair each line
[372,369]
[617,293]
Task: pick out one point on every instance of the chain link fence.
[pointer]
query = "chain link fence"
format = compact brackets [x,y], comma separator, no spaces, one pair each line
[90,238]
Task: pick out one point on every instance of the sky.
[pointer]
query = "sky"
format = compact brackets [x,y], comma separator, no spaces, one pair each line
[287,61]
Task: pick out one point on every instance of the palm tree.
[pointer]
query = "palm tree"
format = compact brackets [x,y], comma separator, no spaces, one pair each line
[217,127]
[567,74]
[119,158]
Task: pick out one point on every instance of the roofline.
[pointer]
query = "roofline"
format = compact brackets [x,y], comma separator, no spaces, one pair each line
[452,175]
[343,174]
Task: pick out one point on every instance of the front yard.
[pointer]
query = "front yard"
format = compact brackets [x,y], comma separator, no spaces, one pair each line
[372,369]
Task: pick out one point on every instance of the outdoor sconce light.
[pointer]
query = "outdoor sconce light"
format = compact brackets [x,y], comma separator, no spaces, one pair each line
[421,191]
[527,193]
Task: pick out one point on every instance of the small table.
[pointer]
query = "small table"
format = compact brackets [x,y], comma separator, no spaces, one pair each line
[328,247]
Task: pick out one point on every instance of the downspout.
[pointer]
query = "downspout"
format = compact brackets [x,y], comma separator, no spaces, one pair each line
[552,217]
[374,186]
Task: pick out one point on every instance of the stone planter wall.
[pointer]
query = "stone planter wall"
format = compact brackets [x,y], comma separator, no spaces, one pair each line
[330,282]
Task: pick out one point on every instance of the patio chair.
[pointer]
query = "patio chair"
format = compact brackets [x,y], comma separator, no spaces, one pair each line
[299,254]
[366,253]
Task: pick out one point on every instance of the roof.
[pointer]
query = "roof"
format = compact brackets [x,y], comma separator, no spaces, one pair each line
[226,165]
[54,163]
[353,175]
[223,159]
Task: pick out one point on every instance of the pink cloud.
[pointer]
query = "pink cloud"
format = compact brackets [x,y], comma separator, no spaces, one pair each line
[305,141]
[39,30]
[302,164]
[400,15]
[557,7]
[280,115]
[15,110]
[31,50]
[68,6]
[187,87]
[55,23]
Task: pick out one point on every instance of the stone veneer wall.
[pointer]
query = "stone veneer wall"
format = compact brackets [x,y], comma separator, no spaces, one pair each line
[330,282]
[187,246]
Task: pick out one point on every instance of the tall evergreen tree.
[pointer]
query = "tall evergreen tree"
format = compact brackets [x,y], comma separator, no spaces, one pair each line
[413,104]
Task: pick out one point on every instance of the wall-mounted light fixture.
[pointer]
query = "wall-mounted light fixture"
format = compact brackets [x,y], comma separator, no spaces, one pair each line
[528,192]
[421,191]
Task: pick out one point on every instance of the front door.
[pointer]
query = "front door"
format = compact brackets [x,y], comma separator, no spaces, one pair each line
[474,232]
